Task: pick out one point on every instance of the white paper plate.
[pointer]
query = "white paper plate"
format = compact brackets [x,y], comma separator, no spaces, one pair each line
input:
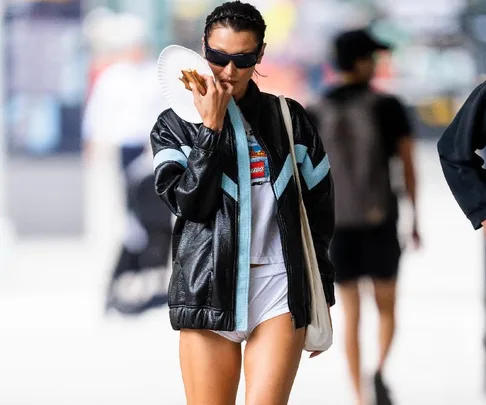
[172,60]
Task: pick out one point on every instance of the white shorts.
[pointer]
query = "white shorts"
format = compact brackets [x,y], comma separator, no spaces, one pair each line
[267,298]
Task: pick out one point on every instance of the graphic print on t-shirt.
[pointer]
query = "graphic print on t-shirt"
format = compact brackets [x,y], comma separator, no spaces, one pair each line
[266,245]
[260,172]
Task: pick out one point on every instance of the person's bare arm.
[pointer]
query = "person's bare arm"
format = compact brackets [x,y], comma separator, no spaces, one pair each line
[406,154]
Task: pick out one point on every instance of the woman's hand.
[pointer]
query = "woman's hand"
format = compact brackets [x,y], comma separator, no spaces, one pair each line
[317,353]
[212,106]
[416,238]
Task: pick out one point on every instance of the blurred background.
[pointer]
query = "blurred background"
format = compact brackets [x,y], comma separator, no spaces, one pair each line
[73,328]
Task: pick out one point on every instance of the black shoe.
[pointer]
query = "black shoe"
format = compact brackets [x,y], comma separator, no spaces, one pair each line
[382,394]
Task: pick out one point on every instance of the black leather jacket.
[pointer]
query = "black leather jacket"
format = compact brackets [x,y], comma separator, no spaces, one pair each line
[197,176]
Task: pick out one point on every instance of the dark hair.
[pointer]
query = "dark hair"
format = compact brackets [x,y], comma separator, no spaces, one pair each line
[347,62]
[239,17]
[355,45]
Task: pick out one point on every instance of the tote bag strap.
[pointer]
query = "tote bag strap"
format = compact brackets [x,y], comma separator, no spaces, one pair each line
[290,132]
[307,242]
[320,335]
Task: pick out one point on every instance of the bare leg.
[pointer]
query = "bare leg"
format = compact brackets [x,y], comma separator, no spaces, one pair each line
[211,367]
[349,293]
[272,357]
[385,296]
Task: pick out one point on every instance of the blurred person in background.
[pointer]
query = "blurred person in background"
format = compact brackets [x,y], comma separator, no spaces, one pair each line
[125,94]
[98,27]
[362,130]
[463,168]
[124,99]
[138,282]
[238,274]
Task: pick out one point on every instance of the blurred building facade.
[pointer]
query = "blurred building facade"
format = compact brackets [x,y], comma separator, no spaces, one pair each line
[439,51]
[433,67]
[43,82]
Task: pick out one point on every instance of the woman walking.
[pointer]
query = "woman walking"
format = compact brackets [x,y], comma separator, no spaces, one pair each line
[238,270]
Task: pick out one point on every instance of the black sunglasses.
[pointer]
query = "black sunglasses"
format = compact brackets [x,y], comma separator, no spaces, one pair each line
[240,60]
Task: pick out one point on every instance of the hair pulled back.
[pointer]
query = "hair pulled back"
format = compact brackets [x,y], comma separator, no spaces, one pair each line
[239,17]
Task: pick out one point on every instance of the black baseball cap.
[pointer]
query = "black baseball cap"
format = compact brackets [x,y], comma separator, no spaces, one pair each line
[352,45]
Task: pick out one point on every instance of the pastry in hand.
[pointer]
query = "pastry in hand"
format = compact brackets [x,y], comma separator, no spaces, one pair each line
[192,76]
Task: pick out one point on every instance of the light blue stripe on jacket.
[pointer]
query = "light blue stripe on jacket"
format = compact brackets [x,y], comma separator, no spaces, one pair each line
[170,155]
[230,187]
[244,225]
[312,175]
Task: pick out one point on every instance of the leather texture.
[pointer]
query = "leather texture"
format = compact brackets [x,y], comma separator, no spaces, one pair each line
[196,175]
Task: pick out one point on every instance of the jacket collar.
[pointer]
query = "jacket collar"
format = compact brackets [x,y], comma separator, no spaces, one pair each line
[263,119]
[250,101]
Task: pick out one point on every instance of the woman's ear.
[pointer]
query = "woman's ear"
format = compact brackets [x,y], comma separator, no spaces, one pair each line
[262,52]
[203,48]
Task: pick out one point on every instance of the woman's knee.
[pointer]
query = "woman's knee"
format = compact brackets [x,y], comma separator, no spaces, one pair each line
[385,296]
[272,358]
[211,367]
[350,299]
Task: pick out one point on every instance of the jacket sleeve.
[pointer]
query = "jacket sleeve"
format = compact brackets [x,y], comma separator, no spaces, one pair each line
[187,179]
[317,190]
[461,165]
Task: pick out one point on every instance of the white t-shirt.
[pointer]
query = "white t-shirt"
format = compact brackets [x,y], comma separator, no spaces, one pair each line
[266,245]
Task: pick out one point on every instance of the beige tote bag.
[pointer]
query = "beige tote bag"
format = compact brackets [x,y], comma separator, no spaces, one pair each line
[319,331]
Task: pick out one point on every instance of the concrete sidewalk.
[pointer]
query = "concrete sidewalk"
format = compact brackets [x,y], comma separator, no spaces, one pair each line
[56,348]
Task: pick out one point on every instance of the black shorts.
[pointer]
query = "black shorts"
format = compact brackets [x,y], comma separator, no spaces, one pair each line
[366,252]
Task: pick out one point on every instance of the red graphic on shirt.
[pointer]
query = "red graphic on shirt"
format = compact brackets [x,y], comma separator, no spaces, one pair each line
[256,152]
[257,170]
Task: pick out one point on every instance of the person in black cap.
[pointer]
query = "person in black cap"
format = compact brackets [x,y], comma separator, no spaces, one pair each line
[362,130]
[354,54]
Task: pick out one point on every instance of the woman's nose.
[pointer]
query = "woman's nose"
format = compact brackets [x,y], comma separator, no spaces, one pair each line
[230,69]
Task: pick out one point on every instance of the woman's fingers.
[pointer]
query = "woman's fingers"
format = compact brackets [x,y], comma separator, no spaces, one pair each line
[228,87]
[195,90]
[315,354]
[219,86]
[210,85]
[213,104]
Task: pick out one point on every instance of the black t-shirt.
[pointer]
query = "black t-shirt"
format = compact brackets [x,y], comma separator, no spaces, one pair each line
[391,115]
[391,120]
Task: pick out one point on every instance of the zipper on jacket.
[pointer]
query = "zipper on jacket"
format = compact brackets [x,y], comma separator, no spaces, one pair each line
[287,265]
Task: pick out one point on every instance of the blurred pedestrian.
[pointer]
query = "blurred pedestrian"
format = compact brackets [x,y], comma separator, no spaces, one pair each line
[362,130]
[138,282]
[125,95]
[463,168]
[238,273]
[125,98]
